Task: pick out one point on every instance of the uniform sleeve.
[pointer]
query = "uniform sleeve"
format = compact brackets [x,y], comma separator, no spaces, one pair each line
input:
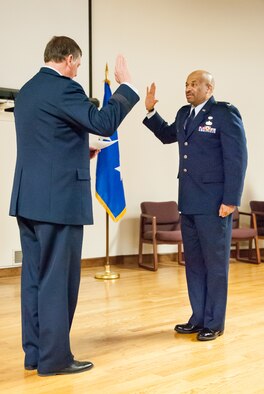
[78,110]
[234,149]
[166,133]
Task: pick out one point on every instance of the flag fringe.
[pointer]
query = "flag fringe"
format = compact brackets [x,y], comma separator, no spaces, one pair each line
[115,219]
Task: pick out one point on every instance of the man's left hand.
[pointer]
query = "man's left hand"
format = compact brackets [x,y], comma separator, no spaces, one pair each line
[93,152]
[226,210]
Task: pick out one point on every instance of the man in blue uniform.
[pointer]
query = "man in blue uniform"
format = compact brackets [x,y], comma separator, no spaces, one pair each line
[213,160]
[51,197]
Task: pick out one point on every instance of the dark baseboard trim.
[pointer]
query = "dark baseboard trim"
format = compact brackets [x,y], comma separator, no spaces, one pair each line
[12,271]
[126,260]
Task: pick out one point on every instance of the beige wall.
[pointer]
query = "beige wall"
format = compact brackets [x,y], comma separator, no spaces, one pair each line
[163,41]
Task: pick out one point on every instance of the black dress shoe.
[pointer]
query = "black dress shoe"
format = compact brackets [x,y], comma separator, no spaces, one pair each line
[74,367]
[208,335]
[31,367]
[187,328]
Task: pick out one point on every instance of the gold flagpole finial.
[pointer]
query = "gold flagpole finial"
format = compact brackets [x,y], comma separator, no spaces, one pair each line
[106,74]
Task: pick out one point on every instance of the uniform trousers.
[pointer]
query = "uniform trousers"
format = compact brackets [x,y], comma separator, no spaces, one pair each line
[49,290]
[207,240]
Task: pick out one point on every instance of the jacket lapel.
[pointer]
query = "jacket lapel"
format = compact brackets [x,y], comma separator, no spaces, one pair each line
[183,119]
[200,117]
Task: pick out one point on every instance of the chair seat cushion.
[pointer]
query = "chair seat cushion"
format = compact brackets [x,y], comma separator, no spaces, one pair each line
[243,233]
[165,236]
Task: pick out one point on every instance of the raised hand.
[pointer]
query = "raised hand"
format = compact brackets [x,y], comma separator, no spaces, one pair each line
[150,100]
[121,71]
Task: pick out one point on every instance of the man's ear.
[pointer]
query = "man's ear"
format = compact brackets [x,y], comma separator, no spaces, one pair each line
[69,60]
[210,88]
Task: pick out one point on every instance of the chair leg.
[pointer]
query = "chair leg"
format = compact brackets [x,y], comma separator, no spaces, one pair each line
[254,260]
[180,254]
[152,267]
[140,249]
[258,256]
[250,250]
[155,255]
[237,251]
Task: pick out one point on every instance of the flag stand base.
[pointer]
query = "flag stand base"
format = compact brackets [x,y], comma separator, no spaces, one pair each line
[107,274]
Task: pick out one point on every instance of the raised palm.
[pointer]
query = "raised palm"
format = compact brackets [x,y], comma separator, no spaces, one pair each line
[150,100]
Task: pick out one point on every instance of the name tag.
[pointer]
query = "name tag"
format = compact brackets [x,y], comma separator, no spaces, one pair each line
[207,129]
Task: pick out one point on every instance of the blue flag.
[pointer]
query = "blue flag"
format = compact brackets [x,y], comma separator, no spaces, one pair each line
[109,185]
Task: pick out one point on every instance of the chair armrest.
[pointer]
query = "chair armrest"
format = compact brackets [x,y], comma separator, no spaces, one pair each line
[258,213]
[245,213]
[144,215]
[153,222]
[249,214]
[254,219]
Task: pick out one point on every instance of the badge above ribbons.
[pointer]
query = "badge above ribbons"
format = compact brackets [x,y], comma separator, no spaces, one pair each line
[208,126]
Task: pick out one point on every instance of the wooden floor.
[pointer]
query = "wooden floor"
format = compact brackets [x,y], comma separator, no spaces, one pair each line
[125,328]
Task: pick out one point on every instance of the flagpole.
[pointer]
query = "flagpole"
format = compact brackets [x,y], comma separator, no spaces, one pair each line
[90,51]
[106,74]
[107,274]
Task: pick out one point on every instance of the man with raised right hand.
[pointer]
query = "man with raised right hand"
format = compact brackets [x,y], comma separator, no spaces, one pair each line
[51,197]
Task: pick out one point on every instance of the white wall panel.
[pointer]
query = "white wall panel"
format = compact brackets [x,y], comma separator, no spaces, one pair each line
[163,42]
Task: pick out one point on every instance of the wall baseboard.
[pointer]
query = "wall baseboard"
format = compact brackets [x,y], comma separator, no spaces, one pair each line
[125,259]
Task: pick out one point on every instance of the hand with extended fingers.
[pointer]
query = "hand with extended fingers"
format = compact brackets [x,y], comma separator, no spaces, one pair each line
[150,100]
[121,71]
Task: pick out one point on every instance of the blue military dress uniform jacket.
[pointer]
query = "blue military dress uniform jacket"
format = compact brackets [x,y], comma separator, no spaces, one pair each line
[213,156]
[52,176]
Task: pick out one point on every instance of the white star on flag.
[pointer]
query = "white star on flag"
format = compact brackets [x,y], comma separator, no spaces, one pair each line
[119,170]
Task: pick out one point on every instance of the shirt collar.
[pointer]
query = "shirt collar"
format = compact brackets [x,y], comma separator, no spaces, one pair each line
[198,108]
[54,69]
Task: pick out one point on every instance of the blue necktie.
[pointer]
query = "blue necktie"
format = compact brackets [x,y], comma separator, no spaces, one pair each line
[189,121]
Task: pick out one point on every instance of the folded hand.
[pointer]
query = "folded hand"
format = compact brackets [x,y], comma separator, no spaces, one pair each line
[226,210]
